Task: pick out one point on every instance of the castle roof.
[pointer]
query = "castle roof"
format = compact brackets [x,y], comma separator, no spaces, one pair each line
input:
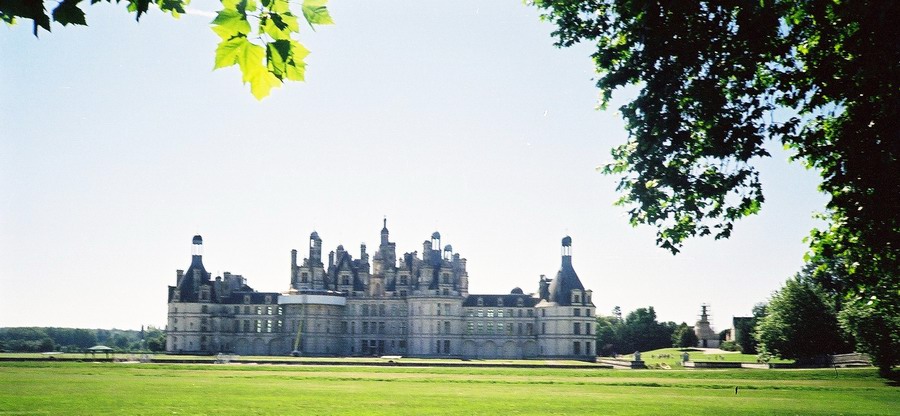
[566,279]
[510,300]
[189,288]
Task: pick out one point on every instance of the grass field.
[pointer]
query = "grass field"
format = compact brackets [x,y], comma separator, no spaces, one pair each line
[241,389]
[672,357]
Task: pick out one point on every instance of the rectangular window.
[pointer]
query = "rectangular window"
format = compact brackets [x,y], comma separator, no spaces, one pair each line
[490,328]
[259,310]
[246,325]
[446,327]
[509,313]
[480,328]
[587,328]
[543,327]
[447,309]
[529,329]
[530,313]
[365,328]
[259,325]
[509,328]
[268,310]
[268,325]
[587,348]
[577,312]
[344,327]
[576,328]
[470,328]
[490,313]
[480,313]
[576,348]
[438,342]
[365,309]
[520,328]
[381,327]
[499,313]
[446,346]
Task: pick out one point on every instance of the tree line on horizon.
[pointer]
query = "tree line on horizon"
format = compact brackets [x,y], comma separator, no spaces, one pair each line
[802,321]
[47,339]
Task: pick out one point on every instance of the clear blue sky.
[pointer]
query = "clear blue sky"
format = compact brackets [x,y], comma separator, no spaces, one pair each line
[119,143]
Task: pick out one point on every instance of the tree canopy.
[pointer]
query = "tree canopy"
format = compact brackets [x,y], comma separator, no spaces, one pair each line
[259,36]
[718,81]
[801,322]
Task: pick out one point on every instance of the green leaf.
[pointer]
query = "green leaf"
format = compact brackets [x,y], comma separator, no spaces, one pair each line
[315,13]
[173,7]
[285,59]
[230,23]
[280,26]
[139,6]
[68,13]
[262,82]
[26,9]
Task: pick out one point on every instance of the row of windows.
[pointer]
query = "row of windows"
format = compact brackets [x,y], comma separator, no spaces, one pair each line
[498,313]
[520,302]
[499,328]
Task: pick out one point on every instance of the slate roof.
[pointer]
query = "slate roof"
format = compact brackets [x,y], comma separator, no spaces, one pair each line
[566,280]
[510,300]
[189,289]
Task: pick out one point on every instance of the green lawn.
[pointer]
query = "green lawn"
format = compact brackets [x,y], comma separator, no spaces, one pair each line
[114,388]
[672,357]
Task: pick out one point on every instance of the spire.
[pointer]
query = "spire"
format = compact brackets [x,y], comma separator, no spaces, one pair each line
[384,233]
[567,280]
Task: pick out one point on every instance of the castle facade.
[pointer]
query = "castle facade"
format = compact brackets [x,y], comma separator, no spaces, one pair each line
[408,306]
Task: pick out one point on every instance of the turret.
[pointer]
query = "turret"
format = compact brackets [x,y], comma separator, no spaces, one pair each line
[384,234]
[315,249]
[567,280]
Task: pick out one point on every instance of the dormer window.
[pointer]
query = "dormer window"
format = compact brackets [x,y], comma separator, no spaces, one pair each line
[304,277]
[204,293]
[576,296]
[345,279]
[520,302]
[480,301]
[268,300]
[499,301]
[246,299]
[445,278]
[176,295]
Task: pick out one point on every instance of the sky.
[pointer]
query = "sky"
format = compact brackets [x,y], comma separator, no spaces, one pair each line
[119,143]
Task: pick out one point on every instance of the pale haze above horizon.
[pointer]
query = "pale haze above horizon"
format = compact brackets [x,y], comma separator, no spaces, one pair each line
[119,143]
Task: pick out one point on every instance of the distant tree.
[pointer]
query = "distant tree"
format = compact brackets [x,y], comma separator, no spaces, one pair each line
[608,335]
[641,331]
[744,329]
[155,339]
[801,322]
[684,337]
